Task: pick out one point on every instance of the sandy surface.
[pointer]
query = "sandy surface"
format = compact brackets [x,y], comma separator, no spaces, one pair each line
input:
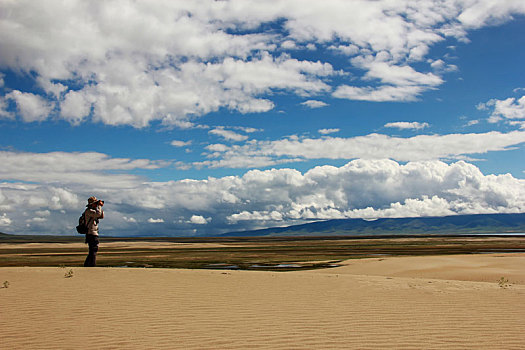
[451,302]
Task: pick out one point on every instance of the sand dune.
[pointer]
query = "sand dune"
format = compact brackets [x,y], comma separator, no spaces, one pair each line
[399,303]
[475,268]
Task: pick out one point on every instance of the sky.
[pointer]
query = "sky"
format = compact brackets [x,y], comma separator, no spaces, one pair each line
[205,117]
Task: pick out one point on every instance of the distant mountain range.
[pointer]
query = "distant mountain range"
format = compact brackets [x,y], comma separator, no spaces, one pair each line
[444,225]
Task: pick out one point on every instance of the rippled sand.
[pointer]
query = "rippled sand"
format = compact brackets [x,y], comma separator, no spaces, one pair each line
[452,302]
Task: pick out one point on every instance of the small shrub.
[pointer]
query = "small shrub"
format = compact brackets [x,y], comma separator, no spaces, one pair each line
[68,274]
[503,282]
[5,284]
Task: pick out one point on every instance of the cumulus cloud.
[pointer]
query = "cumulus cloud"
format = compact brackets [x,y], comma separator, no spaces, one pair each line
[129,219]
[155,221]
[508,109]
[314,104]
[199,220]
[348,50]
[328,131]
[31,107]
[142,62]
[440,66]
[361,188]
[407,125]
[486,12]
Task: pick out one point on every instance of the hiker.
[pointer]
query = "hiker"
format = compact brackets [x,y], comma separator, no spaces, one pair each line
[93,213]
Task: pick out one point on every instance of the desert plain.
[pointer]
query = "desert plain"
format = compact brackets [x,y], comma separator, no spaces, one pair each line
[273,297]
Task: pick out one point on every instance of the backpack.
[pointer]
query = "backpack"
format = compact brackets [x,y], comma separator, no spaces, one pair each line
[82,227]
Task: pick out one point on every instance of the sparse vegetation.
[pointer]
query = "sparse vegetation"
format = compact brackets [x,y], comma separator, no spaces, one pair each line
[266,253]
[69,274]
[5,284]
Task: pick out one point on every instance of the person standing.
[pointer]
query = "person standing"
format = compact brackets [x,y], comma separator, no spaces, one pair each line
[93,214]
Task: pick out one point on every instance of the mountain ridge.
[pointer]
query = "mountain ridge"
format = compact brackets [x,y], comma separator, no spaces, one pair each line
[454,224]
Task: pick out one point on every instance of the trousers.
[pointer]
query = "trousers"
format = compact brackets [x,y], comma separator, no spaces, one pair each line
[91,259]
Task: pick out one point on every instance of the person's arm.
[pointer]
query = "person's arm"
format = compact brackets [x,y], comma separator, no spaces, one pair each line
[100,212]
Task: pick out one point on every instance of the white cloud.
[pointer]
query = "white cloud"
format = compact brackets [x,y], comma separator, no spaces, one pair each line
[396,75]
[289,45]
[228,134]
[407,125]
[4,220]
[440,66]
[255,216]
[374,146]
[486,12]
[247,130]
[192,58]
[76,106]
[509,108]
[328,131]
[4,113]
[86,168]
[51,88]
[199,220]
[31,107]
[348,50]
[399,82]
[178,143]
[155,221]
[218,147]
[43,213]
[36,220]
[314,104]
[385,93]
[361,188]
[521,124]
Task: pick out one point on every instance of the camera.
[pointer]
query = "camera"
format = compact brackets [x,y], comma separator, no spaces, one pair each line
[100,202]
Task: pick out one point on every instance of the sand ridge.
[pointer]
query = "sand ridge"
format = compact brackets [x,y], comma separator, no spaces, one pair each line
[475,267]
[112,308]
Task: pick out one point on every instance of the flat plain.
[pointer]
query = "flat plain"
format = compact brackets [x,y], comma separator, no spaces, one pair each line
[260,253]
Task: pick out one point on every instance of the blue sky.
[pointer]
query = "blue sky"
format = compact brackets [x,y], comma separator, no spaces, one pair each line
[203,117]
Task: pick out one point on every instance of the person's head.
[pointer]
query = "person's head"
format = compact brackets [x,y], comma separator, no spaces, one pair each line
[93,202]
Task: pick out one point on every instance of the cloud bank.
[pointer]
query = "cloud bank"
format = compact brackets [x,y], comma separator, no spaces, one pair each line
[256,153]
[277,197]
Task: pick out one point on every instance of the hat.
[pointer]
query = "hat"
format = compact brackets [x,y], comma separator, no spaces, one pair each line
[92,199]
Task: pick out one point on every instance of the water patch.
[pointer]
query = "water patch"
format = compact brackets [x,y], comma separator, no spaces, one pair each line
[221,266]
[278,266]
